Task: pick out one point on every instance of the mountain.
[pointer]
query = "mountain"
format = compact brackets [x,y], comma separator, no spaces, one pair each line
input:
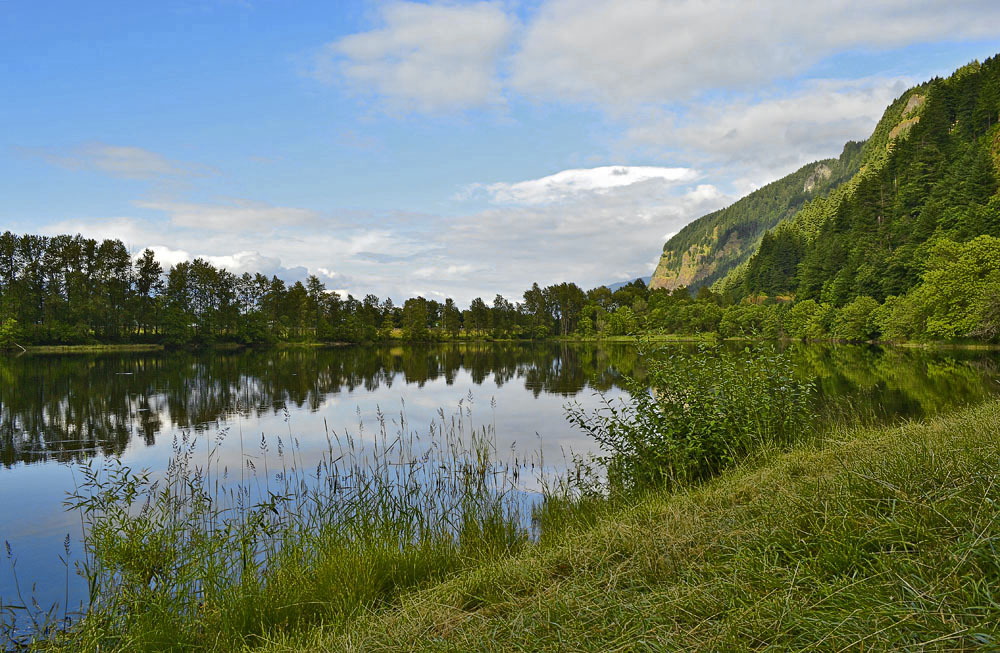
[707,249]
[928,177]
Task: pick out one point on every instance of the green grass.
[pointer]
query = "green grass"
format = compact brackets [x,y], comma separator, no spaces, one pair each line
[206,557]
[864,539]
[708,337]
[90,349]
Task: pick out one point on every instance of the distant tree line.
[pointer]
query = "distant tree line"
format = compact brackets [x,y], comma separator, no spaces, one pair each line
[75,290]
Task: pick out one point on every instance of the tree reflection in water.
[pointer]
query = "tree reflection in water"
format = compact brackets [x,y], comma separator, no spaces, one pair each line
[70,407]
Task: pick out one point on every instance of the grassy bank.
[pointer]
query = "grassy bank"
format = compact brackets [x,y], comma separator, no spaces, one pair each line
[209,555]
[707,337]
[87,349]
[657,338]
[130,348]
[723,519]
[867,539]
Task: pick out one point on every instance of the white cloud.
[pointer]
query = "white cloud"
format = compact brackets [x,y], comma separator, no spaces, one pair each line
[445,272]
[446,55]
[121,161]
[568,184]
[589,238]
[169,257]
[236,214]
[663,51]
[428,57]
[771,135]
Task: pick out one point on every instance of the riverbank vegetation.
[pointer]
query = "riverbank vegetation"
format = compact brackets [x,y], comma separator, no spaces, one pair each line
[61,291]
[720,495]
[223,551]
[860,539]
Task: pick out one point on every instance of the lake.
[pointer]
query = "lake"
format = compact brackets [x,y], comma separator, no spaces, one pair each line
[58,411]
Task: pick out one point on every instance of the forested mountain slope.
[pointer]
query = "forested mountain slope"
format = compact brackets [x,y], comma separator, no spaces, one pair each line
[708,248]
[928,182]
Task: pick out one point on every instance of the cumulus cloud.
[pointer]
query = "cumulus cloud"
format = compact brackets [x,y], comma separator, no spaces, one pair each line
[168,257]
[568,184]
[428,57]
[589,238]
[663,51]
[443,56]
[121,161]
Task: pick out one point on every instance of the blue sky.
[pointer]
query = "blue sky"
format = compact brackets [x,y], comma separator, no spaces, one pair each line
[438,148]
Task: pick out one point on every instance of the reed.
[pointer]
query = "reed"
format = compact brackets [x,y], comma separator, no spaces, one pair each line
[209,557]
[864,539]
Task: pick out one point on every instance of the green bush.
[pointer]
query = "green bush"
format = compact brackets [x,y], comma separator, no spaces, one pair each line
[9,333]
[700,413]
[857,320]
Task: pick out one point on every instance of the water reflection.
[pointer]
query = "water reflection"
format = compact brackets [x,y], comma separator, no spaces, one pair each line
[68,408]
[72,408]
[889,384]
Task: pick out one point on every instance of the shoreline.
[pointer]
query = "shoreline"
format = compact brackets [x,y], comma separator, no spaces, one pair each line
[659,338]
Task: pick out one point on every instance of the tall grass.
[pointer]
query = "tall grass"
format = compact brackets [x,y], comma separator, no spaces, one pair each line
[215,558]
[883,539]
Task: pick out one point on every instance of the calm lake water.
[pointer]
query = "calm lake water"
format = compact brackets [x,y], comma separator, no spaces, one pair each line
[57,411]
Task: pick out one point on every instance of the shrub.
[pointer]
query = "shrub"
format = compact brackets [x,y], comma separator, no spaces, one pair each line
[857,320]
[799,317]
[9,333]
[700,413]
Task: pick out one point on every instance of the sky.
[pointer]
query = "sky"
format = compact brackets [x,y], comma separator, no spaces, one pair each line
[439,148]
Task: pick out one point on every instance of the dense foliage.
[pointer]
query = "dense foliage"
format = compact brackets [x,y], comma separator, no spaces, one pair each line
[916,229]
[72,290]
[696,414]
[707,249]
[75,290]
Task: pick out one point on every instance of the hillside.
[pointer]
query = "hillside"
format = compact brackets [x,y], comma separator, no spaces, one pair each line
[928,178]
[708,248]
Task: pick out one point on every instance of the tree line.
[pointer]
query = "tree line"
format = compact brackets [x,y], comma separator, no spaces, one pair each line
[74,290]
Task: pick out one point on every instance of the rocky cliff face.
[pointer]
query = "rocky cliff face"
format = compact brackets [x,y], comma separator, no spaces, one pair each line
[698,264]
[820,173]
